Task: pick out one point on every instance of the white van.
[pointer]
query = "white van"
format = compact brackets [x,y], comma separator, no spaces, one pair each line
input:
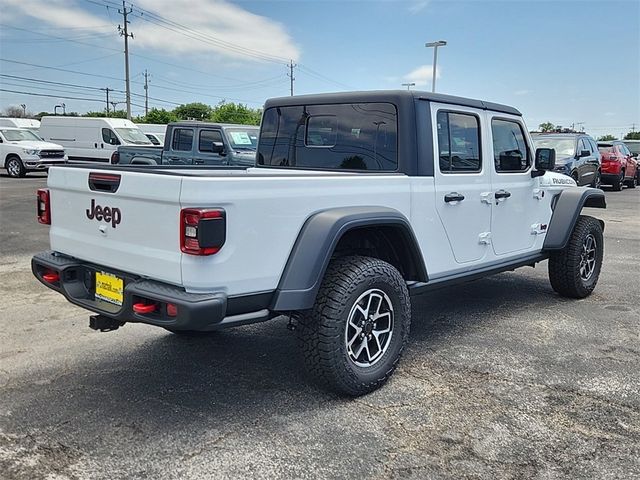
[90,139]
[155,132]
[26,123]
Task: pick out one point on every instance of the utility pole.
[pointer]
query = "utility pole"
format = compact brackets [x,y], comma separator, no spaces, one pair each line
[290,74]
[107,90]
[409,85]
[146,92]
[124,32]
[24,109]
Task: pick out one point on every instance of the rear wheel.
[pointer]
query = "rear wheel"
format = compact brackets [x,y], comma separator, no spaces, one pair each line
[14,167]
[574,271]
[618,182]
[633,182]
[353,338]
[574,175]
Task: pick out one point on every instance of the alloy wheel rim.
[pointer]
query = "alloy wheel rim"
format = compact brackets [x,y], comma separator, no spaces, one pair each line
[588,257]
[13,168]
[369,328]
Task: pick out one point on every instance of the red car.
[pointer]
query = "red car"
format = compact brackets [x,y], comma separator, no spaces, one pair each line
[618,165]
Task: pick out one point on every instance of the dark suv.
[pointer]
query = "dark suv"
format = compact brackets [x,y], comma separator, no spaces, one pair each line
[577,155]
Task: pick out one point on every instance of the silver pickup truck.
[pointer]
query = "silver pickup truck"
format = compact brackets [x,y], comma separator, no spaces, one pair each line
[196,143]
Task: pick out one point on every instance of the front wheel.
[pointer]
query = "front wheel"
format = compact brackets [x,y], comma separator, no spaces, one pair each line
[353,337]
[597,180]
[15,168]
[574,271]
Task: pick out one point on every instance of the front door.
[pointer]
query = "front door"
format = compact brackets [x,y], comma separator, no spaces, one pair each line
[462,181]
[515,205]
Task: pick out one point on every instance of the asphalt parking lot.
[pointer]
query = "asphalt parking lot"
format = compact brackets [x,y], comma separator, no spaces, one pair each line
[502,379]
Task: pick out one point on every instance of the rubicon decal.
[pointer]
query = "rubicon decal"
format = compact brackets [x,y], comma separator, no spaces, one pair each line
[111,215]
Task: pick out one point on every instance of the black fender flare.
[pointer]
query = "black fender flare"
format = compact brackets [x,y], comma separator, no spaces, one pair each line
[316,243]
[568,206]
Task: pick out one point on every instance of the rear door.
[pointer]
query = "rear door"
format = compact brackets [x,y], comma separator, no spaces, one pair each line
[515,208]
[133,228]
[462,181]
[180,151]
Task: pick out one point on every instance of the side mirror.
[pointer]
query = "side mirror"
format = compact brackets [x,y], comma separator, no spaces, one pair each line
[545,160]
[217,147]
[585,153]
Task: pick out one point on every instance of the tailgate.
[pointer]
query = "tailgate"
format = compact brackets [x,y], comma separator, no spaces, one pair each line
[134,228]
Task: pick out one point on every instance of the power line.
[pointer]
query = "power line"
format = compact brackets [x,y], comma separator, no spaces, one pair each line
[50,96]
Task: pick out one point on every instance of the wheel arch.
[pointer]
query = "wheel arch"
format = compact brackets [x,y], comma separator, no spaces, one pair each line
[348,230]
[568,207]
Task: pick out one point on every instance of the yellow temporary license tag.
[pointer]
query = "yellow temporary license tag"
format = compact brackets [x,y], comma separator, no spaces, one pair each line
[109,288]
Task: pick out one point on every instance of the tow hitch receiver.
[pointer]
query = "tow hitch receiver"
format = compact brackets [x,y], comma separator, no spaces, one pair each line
[103,323]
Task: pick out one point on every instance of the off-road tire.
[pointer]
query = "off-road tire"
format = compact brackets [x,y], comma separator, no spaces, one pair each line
[15,167]
[618,182]
[564,266]
[322,330]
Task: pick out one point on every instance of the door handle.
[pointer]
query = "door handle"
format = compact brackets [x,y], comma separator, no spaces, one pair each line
[95,145]
[453,197]
[502,194]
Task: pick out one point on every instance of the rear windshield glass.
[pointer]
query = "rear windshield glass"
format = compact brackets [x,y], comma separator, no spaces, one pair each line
[353,136]
[605,149]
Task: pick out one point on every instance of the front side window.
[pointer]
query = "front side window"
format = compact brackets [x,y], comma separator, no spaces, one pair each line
[108,136]
[242,138]
[352,136]
[182,140]
[207,137]
[510,152]
[458,142]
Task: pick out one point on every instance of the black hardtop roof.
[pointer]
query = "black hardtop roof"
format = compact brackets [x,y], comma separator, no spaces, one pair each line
[198,123]
[389,96]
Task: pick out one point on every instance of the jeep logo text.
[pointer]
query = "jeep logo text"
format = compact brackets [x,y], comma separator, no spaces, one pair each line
[108,214]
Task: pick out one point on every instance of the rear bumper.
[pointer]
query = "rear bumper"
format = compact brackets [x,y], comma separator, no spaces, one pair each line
[195,311]
[609,178]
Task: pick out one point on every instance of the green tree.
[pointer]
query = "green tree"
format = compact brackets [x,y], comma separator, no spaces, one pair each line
[112,114]
[632,136]
[39,115]
[236,113]
[606,138]
[156,115]
[195,111]
[547,127]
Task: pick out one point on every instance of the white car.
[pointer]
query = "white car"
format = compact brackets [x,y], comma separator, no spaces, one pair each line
[358,202]
[22,151]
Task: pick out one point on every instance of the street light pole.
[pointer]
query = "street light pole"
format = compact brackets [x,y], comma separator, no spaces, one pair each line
[435,45]
[409,85]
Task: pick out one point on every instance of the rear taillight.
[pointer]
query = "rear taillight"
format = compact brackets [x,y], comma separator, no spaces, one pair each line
[44,206]
[202,231]
[115,157]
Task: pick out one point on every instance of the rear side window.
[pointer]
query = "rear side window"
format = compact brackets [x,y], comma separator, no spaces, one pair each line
[458,142]
[510,152]
[206,139]
[182,140]
[353,136]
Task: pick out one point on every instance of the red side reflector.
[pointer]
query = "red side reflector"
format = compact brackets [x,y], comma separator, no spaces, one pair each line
[51,277]
[44,206]
[144,308]
[172,310]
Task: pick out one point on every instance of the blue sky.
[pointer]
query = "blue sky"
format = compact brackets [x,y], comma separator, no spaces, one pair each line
[559,61]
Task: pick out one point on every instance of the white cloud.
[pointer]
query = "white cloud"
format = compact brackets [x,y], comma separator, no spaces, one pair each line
[422,75]
[419,6]
[216,26]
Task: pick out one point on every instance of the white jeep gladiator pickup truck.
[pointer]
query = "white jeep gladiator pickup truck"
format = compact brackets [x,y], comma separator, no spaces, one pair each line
[357,202]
